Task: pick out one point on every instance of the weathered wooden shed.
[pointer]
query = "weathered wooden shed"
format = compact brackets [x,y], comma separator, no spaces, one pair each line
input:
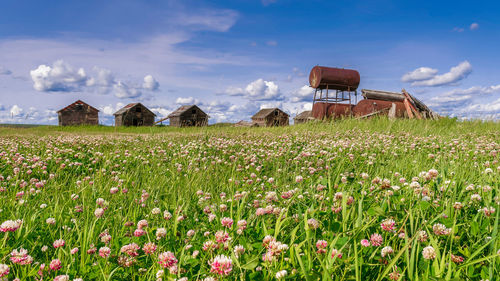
[188,115]
[78,113]
[303,117]
[134,114]
[268,117]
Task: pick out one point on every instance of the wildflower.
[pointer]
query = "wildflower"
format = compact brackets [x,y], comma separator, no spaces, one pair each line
[487,211]
[221,265]
[149,248]
[104,252]
[281,274]
[238,250]
[59,243]
[4,270]
[74,251]
[227,222]
[125,261]
[429,253]
[50,221]
[130,249]
[440,229]
[222,236]
[312,223]
[456,259]
[167,259]
[61,278]
[475,197]
[365,243]
[139,232]
[336,254]
[388,225]
[10,226]
[299,179]
[167,215]
[458,205]
[20,257]
[142,224]
[387,250]
[190,233]
[376,239]
[99,212]
[156,211]
[55,265]
[321,246]
[160,233]
[422,236]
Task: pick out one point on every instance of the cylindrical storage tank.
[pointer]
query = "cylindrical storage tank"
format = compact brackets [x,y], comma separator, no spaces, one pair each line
[336,78]
[368,106]
[322,110]
[339,110]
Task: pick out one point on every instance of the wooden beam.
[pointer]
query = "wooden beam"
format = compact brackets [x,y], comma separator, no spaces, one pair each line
[408,109]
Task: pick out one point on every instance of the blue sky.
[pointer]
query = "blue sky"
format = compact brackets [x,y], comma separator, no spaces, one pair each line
[234,57]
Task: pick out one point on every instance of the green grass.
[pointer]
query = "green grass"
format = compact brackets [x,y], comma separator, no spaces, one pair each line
[343,175]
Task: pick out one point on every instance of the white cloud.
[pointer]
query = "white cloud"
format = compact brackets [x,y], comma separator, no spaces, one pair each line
[474,26]
[419,74]
[60,77]
[4,71]
[186,100]
[16,111]
[110,109]
[124,91]
[161,112]
[305,93]
[150,83]
[213,20]
[455,74]
[257,90]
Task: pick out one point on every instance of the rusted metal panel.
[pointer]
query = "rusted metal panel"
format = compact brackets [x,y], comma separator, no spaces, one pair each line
[340,79]
[322,110]
[368,106]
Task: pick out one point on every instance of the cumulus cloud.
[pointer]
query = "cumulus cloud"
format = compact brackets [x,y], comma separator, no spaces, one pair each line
[474,26]
[150,83]
[305,93]
[60,77]
[419,74]
[186,100]
[425,76]
[16,111]
[124,91]
[4,71]
[257,90]
[462,102]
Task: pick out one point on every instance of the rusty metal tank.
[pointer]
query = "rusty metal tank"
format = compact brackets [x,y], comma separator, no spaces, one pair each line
[368,106]
[322,110]
[336,78]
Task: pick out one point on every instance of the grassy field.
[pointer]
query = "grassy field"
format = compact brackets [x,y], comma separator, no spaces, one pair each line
[350,200]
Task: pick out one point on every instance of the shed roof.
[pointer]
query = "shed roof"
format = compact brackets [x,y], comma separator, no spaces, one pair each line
[78,102]
[263,113]
[179,111]
[304,115]
[130,106]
